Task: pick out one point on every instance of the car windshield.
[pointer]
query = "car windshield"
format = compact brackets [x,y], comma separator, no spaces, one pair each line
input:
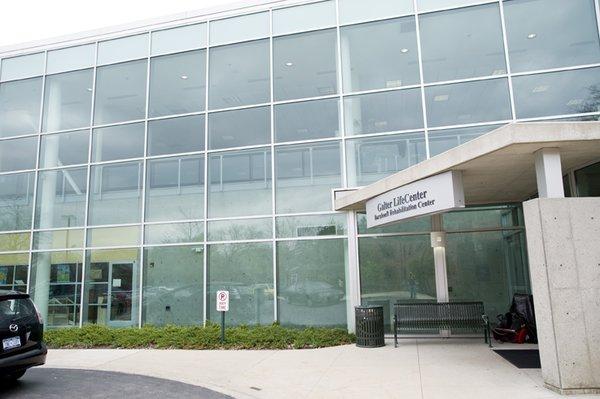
[14,309]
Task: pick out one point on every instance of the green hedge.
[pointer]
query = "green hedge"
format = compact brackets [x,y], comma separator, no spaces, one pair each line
[197,337]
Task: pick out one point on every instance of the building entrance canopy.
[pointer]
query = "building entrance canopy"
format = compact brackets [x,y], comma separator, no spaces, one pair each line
[498,167]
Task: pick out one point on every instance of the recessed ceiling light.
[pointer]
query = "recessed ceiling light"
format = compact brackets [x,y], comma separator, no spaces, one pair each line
[532,35]
[441,97]
[540,89]
[89,89]
[404,50]
[289,64]
[184,77]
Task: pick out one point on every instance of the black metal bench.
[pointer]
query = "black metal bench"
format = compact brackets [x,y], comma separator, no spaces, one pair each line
[417,318]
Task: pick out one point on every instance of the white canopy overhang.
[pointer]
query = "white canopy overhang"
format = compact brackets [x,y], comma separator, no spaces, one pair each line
[498,167]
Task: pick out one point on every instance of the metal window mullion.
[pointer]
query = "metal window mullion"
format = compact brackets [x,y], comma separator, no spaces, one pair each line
[341,112]
[421,81]
[507,60]
[206,183]
[89,189]
[142,181]
[273,180]
[35,178]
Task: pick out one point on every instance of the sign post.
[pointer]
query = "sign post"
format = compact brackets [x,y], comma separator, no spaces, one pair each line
[222,306]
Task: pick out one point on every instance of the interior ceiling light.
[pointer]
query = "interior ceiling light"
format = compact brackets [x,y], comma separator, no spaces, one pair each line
[441,97]
[404,50]
[540,89]
[289,64]
[532,35]
[89,89]
[184,77]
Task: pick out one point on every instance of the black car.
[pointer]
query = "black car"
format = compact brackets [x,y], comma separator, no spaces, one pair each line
[21,335]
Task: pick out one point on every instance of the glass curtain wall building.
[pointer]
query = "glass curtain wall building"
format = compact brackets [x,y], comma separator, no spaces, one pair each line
[141,173]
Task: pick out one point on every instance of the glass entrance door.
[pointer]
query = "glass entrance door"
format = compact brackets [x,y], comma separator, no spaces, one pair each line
[121,290]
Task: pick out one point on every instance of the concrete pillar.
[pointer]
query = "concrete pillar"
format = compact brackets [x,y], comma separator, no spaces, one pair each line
[46,198]
[548,172]
[564,263]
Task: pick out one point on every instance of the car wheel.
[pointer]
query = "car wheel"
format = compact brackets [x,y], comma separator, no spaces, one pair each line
[14,376]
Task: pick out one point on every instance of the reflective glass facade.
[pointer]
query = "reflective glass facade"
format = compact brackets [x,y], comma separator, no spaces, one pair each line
[140,174]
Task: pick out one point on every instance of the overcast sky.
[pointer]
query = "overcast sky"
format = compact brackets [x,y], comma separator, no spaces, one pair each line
[27,20]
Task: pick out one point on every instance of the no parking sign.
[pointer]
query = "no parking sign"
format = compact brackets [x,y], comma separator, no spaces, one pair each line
[222,301]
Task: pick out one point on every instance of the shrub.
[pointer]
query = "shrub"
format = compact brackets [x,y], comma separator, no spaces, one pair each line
[197,337]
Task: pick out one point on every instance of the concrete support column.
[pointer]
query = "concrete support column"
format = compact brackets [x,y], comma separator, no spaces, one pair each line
[352,272]
[548,172]
[564,263]
[46,197]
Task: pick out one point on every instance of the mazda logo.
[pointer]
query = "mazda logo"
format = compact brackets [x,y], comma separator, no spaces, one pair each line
[13,328]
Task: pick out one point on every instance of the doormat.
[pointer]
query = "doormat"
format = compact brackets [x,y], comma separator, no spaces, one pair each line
[521,358]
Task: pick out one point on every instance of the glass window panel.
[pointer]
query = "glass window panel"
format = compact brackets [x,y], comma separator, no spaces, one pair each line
[68,100]
[64,149]
[545,34]
[21,67]
[352,11]
[311,283]
[304,65]
[13,272]
[312,225]
[56,287]
[488,267]
[177,135]
[20,107]
[430,5]
[115,195]
[120,92]
[239,75]
[178,83]
[557,93]
[123,49]
[372,159]
[245,27]
[306,174]
[241,229]
[246,271]
[307,120]
[113,236]
[239,183]
[391,63]
[58,239]
[16,201]
[111,288]
[14,242]
[60,199]
[470,102]
[396,269]
[306,17]
[239,128]
[173,286]
[118,142]
[178,39]
[417,225]
[443,140]
[462,43]
[588,181]
[483,217]
[71,58]
[174,233]
[383,112]
[18,154]
[175,188]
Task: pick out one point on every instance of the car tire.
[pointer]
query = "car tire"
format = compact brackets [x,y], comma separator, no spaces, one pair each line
[14,376]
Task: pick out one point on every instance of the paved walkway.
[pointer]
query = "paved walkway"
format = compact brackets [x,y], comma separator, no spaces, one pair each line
[424,369]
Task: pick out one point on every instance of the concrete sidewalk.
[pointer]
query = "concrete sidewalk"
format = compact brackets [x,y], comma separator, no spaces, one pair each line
[424,368]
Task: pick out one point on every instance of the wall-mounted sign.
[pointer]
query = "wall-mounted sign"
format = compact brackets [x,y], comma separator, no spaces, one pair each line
[435,194]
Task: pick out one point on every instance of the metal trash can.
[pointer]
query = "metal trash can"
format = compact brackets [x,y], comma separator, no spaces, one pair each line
[369,326]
